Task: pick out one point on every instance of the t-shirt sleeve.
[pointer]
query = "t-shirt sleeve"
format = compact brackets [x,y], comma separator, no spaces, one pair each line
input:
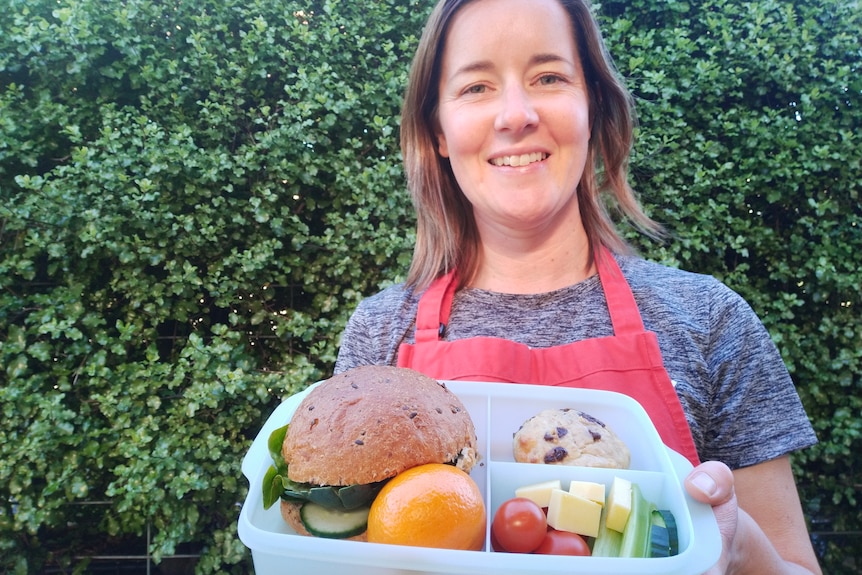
[755,411]
[376,329]
[357,347]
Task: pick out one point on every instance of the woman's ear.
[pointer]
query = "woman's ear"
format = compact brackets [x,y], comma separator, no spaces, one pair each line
[442,146]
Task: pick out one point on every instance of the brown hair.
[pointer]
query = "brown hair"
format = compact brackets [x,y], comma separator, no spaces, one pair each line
[446,235]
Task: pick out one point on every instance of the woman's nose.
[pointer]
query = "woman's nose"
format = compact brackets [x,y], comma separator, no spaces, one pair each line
[516,110]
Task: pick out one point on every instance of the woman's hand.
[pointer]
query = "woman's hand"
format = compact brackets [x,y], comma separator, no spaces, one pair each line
[759,517]
[712,482]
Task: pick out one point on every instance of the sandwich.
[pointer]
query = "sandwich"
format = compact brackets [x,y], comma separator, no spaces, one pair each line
[351,434]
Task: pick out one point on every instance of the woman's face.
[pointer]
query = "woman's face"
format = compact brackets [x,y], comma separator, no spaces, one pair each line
[514,113]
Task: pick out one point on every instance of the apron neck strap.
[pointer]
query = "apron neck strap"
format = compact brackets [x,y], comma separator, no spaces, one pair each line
[625,316]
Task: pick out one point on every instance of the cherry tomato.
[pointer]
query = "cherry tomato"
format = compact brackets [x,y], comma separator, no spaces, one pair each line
[519,525]
[563,543]
[495,545]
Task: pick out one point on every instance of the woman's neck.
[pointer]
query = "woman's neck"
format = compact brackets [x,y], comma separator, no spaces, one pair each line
[509,264]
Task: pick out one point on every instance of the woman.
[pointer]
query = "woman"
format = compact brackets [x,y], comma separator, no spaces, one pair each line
[519,274]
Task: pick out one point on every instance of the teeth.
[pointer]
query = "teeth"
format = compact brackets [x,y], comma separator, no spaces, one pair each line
[522,160]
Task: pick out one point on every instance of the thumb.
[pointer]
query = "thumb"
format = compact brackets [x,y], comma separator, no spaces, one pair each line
[710,482]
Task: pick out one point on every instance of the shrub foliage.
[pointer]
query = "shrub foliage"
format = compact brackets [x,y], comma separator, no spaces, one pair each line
[195,195]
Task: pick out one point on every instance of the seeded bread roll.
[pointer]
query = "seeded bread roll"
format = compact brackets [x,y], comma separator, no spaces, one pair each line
[371,423]
[569,437]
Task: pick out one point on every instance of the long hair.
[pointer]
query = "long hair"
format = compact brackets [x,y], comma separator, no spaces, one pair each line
[446,234]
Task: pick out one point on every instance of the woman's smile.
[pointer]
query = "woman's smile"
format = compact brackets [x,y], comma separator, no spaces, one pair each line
[519,160]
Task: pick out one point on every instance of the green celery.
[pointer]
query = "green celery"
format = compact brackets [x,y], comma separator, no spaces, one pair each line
[635,538]
[608,541]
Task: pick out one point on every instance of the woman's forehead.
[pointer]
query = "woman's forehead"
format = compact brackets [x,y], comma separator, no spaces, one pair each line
[486,28]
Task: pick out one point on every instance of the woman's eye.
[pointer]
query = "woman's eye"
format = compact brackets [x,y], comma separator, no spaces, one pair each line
[549,79]
[478,89]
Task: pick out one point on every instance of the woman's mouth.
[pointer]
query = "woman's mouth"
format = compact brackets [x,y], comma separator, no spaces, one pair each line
[520,160]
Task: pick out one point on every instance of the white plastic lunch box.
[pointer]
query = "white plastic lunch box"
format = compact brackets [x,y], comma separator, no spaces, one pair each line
[498,410]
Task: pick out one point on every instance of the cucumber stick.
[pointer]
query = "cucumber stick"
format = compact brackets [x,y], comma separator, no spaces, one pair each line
[636,536]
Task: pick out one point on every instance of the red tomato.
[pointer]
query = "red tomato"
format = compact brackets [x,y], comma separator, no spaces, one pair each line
[563,543]
[519,525]
[495,545]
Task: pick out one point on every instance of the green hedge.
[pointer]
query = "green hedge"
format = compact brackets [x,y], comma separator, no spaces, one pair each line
[195,195]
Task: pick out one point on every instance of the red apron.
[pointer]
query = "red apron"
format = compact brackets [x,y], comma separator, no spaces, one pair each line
[628,362]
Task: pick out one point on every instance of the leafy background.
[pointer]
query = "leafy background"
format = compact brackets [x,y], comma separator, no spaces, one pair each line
[195,195]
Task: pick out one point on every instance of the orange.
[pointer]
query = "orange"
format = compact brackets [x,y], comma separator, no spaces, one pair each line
[432,505]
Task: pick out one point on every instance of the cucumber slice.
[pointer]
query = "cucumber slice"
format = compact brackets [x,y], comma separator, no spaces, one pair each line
[322,521]
[659,541]
[664,536]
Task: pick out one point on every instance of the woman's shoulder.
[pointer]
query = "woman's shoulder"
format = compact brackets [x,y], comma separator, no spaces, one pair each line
[640,268]
[393,298]
[649,276]
[377,327]
[390,310]
[666,291]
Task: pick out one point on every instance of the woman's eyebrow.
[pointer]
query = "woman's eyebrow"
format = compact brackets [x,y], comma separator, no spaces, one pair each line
[547,58]
[479,66]
[486,65]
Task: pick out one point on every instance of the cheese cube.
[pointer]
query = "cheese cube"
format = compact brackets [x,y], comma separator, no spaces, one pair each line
[589,490]
[539,492]
[569,512]
[619,504]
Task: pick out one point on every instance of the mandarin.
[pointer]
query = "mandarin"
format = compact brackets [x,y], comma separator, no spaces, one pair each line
[432,505]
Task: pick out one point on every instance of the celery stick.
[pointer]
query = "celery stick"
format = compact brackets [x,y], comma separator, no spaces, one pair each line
[608,541]
[635,539]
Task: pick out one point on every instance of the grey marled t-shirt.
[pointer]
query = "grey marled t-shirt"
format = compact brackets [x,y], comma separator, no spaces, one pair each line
[737,395]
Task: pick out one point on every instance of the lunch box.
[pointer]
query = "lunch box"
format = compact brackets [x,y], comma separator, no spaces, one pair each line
[498,410]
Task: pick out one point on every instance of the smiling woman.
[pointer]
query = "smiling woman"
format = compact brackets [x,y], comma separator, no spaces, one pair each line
[515,131]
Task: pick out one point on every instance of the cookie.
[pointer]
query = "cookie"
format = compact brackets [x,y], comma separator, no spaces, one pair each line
[569,437]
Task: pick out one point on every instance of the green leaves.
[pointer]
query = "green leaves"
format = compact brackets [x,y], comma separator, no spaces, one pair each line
[275,480]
